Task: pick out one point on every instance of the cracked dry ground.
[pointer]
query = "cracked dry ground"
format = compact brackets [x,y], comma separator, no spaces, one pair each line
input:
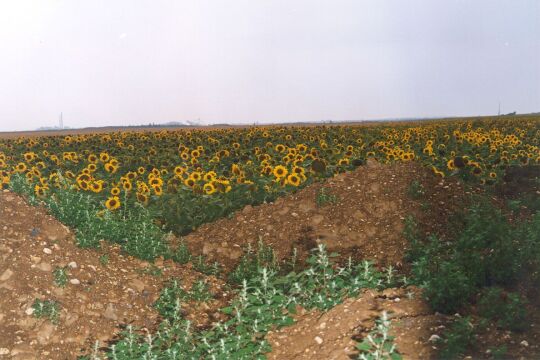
[99,299]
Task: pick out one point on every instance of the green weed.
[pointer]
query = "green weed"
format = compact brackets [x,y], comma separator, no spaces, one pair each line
[507,308]
[325,198]
[378,344]
[49,309]
[60,276]
[456,339]
[416,190]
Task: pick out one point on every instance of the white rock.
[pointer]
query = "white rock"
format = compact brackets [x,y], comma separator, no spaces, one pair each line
[318,340]
[6,275]
[29,311]
[4,351]
[47,251]
[72,265]
[434,338]
[75,281]
[524,343]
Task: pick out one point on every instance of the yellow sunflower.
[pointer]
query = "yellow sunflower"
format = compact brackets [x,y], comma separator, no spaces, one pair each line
[113,203]
[280,171]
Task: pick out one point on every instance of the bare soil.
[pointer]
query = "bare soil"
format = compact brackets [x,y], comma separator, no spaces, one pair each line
[332,335]
[100,298]
[366,221]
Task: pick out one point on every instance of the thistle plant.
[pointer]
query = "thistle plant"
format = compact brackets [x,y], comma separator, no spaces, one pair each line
[378,344]
[49,309]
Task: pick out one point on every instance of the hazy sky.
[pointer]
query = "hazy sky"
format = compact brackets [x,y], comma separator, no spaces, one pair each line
[134,61]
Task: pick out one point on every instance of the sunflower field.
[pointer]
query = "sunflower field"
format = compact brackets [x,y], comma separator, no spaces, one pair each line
[178,180]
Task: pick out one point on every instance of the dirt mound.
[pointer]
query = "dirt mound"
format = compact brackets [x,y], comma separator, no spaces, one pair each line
[333,335]
[101,295]
[363,217]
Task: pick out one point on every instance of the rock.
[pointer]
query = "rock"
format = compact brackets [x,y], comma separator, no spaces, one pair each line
[207,248]
[524,343]
[70,319]
[318,340]
[317,219]
[74,281]
[283,211]
[137,285]
[29,311]
[35,259]
[6,275]
[4,351]
[110,312]
[72,265]
[52,237]
[44,266]
[44,333]
[434,338]
[23,351]
[47,251]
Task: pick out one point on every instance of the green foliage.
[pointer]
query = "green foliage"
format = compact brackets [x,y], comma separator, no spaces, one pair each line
[252,261]
[325,198]
[60,276]
[378,344]
[265,300]
[449,288]
[416,190]
[203,267]
[499,352]
[184,211]
[151,270]
[104,259]
[182,254]
[132,228]
[485,250]
[507,308]
[49,309]
[456,339]
[171,297]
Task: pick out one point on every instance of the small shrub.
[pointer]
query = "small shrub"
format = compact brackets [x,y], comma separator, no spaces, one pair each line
[507,308]
[457,339]
[203,267]
[182,254]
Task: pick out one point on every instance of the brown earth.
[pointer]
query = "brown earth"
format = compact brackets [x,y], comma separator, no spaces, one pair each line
[99,299]
[366,221]
[334,334]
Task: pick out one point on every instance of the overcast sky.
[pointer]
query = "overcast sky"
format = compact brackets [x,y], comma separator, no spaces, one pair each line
[134,61]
